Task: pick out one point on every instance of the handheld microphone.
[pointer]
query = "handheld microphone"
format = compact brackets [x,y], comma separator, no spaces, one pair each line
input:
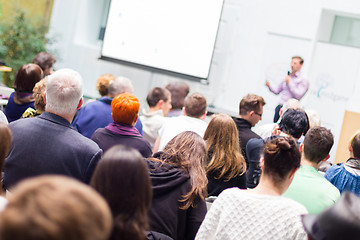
[288,73]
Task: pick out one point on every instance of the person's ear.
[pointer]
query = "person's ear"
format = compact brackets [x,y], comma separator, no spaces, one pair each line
[135,119]
[327,157]
[292,173]
[160,104]
[80,103]
[203,116]
[262,163]
[301,148]
[44,97]
[350,148]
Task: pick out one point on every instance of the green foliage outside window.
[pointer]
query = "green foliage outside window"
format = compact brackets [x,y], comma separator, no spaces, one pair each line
[20,41]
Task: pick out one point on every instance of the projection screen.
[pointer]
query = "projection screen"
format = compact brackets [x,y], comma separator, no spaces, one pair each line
[177,36]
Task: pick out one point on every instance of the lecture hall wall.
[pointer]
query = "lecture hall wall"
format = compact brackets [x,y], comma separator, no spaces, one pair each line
[255,42]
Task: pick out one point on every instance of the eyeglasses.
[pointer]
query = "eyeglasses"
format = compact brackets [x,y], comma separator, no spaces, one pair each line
[259,114]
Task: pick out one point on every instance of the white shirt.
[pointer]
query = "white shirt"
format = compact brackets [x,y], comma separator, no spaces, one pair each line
[175,125]
[152,122]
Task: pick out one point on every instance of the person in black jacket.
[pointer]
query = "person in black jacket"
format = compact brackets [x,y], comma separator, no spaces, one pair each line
[179,185]
[250,113]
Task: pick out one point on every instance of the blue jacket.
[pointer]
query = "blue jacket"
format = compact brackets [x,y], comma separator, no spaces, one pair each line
[96,114]
[14,111]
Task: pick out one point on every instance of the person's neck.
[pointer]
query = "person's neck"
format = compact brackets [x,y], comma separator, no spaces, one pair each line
[153,109]
[246,117]
[266,186]
[67,117]
[294,73]
[306,162]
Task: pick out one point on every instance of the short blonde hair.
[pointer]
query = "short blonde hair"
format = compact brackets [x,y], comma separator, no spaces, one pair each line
[38,94]
[55,208]
[102,83]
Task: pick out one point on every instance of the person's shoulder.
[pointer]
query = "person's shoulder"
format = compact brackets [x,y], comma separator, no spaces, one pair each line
[81,141]
[232,193]
[334,169]
[99,132]
[292,205]
[94,105]
[254,134]
[22,123]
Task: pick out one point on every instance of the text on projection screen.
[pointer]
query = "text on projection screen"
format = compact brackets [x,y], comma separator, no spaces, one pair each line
[173,35]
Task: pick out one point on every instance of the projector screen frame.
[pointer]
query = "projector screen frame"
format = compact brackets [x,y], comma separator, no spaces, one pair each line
[162,70]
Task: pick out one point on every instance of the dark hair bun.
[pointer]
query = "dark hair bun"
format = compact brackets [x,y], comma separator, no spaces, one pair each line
[285,143]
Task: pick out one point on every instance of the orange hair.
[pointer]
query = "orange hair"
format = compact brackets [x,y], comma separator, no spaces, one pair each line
[125,108]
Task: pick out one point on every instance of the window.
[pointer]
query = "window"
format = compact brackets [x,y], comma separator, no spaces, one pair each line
[346,31]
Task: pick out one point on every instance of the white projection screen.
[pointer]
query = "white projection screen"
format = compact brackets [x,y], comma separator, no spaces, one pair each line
[177,36]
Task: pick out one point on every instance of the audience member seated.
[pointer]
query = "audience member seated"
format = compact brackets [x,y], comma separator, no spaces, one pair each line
[346,176]
[97,114]
[5,141]
[48,144]
[179,185]
[26,78]
[122,178]
[102,84]
[225,164]
[254,149]
[313,117]
[341,221]
[293,123]
[46,61]
[159,101]
[38,94]
[265,130]
[195,113]
[250,112]
[309,187]
[260,213]
[124,111]
[55,208]
[179,91]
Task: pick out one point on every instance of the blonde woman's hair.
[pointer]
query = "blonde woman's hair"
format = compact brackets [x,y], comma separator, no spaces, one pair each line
[222,144]
[102,83]
[187,150]
[38,94]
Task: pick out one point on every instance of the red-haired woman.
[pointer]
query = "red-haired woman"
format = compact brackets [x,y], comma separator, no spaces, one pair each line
[124,109]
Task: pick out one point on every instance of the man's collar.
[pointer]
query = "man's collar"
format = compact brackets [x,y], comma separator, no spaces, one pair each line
[55,118]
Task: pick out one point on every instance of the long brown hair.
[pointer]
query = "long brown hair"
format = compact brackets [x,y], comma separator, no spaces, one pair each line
[222,143]
[122,178]
[187,150]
